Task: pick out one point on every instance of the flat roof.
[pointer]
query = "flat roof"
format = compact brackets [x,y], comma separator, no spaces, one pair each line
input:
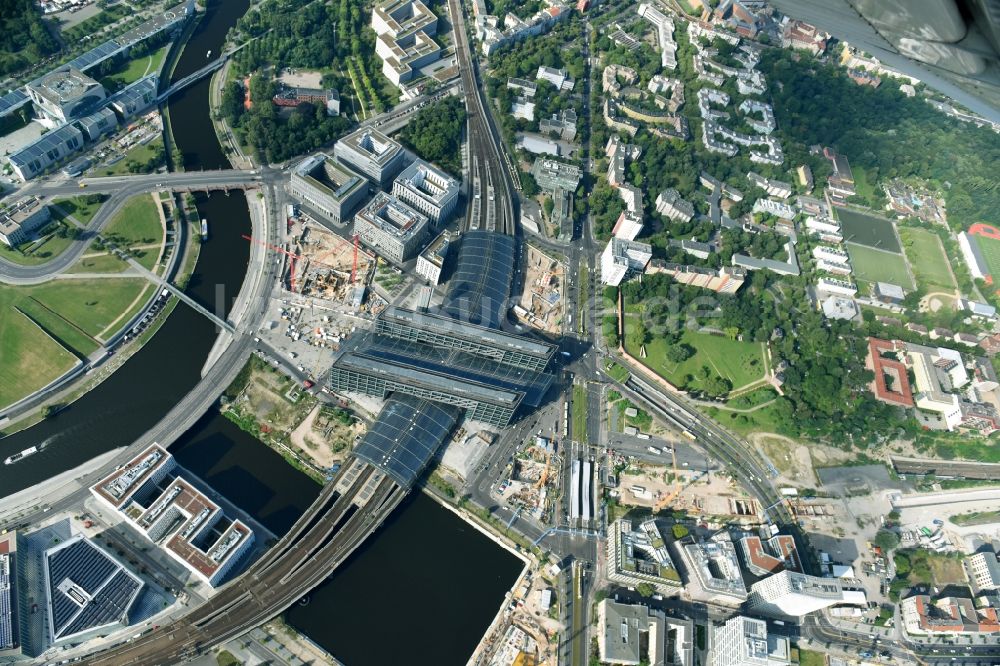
[449,326]
[14,215]
[392,216]
[325,173]
[427,182]
[374,144]
[119,486]
[405,436]
[62,85]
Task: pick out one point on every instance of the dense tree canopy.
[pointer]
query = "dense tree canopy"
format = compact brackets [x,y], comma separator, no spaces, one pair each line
[24,38]
[436,133]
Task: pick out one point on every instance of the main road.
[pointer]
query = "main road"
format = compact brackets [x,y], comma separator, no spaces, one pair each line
[120,189]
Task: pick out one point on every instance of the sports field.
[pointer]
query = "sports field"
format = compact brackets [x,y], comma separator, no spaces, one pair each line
[927,259]
[990,248]
[869,230]
[871,265]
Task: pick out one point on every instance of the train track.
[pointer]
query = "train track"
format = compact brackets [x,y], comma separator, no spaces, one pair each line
[491,207]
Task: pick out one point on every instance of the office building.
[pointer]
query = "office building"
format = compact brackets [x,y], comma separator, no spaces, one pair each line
[327,187]
[639,555]
[552,174]
[670,204]
[715,569]
[11,566]
[622,257]
[19,219]
[764,557]
[557,77]
[404,30]
[391,228]
[442,331]
[633,634]
[46,151]
[744,641]
[65,94]
[88,590]
[431,260]
[372,154]
[427,189]
[135,98]
[97,124]
[794,594]
[984,571]
[150,494]
[947,616]
[293,96]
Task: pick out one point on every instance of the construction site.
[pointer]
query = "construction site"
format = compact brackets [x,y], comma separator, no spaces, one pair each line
[319,264]
[542,300]
[532,473]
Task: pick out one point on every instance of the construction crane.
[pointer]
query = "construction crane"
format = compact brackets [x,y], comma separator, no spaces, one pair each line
[354,270]
[291,255]
[678,486]
[545,473]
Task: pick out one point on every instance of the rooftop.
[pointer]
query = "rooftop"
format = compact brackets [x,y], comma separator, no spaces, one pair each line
[427,182]
[66,84]
[392,216]
[326,174]
[373,144]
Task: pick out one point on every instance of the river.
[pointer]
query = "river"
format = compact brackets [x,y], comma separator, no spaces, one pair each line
[426,578]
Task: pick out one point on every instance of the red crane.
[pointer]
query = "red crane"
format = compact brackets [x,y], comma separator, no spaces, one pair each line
[291,255]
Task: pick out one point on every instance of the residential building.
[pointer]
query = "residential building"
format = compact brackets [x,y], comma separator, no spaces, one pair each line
[715,570]
[948,616]
[775,208]
[805,176]
[562,123]
[65,94]
[840,184]
[774,188]
[523,86]
[428,189]
[892,382]
[766,123]
[391,228]
[831,254]
[639,555]
[622,257]
[827,229]
[557,77]
[770,555]
[87,589]
[372,154]
[836,307]
[799,35]
[694,248]
[522,109]
[744,641]
[984,571]
[664,34]
[726,280]
[152,495]
[794,594]
[938,372]
[492,36]
[431,260]
[670,203]
[634,634]
[619,154]
[835,286]
[404,30]
[328,188]
[19,219]
[977,309]
[46,151]
[789,267]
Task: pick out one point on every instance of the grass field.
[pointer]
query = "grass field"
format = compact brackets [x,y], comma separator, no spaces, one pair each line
[990,248]
[867,230]
[873,265]
[861,184]
[134,70]
[105,263]
[138,223]
[31,359]
[578,410]
[79,208]
[927,259]
[46,247]
[740,362]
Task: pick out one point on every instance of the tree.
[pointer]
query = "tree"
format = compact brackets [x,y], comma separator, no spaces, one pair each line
[886,540]
[636,336]
[529,187]
[548,205]
[680,531]
[679,353]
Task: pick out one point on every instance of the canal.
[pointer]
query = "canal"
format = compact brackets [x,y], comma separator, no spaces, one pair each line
[426,577]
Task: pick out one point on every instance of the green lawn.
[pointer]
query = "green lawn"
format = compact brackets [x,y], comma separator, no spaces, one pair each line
[80,208]
[762,420]
[135,69]
[105,263]
[927,259]
[861,184]
[873,265]
[31,359]
[48,245]
[811,658]
[990,248]
[740,362]
[138,223]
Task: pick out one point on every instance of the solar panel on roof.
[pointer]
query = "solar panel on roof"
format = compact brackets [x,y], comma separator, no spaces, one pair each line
[12,101]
